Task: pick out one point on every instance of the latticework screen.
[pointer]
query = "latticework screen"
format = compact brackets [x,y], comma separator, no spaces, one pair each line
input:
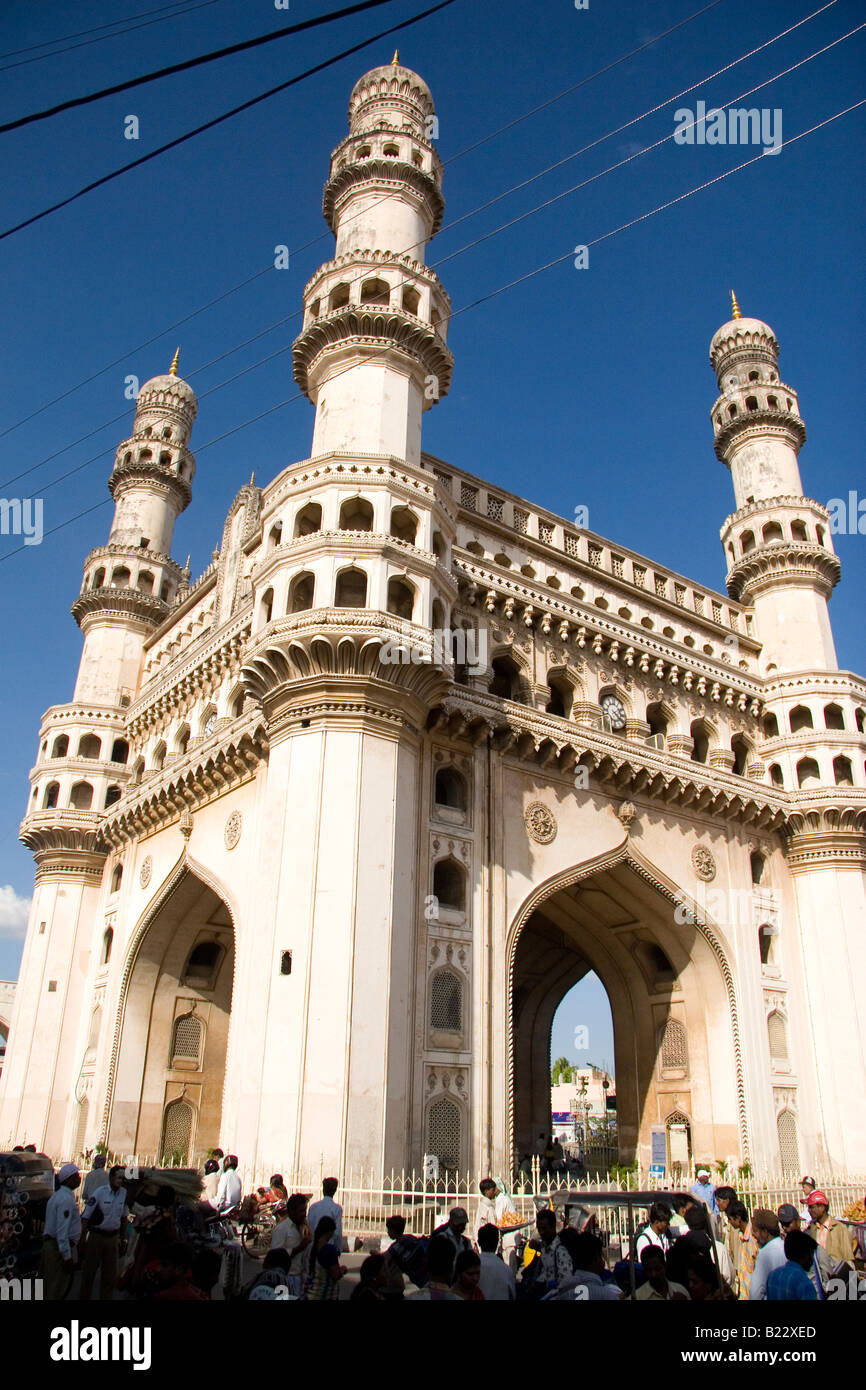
[177,1129]
[789,1148]
[443,1133]
[187,1037]
[446,1002]
[675,1046]
[778,1034]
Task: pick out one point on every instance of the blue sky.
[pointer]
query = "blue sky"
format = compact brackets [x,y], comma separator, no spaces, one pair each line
[577,387]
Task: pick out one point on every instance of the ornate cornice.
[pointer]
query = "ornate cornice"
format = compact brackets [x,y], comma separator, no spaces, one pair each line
[787,562]
[108,602]
[154,474]
[392,259]
[384,174]
[771,505]
[62,829]
[369,328]
[764,423]
[361,470]
[189,675]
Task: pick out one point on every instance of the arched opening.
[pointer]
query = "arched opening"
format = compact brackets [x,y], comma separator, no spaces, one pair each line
[450,789]
[275,535]
[356,515]
[766,943]
[772,532]
[404,524]
[145,581]
[700,733]
[116,877]
[742,752]
[789,1147]
[181,742]
[747,542]
[833,717]
[52,792]
[120,751]
[376,291]
[798,531]
[112,795]
[411,300]
[339,297]
[449,885]
[182,965]
[657,719]
[107,943]
[266,607]
[843,772]
[670,1048]
[860,719]
[777,776]
[81,796]
[757,864]
[770,726]
[61,747]
[121,578]
[505,680]
[401,598]
[808,772]
[157,761]
[561,697]
[98,579]
[800,718]
[308,520]
[301,593]
[351,589]
[89,746]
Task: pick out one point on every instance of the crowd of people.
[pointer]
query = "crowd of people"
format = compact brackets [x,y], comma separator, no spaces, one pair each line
[703,1245]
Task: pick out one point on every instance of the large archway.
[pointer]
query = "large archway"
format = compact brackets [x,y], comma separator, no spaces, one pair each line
[676,1041]
[167,1084]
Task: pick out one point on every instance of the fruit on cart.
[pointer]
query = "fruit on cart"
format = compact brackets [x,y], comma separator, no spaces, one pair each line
[855,1212]
[510,1218]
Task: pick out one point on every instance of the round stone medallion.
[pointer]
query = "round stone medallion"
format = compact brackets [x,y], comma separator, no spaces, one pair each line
[233,828]
[145,872]
[540,823]
[703,863]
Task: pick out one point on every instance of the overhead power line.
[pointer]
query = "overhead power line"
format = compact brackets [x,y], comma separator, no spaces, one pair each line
[446,163]
[189,63]
[501,289]
[174,9]
[227,115]
[175,12]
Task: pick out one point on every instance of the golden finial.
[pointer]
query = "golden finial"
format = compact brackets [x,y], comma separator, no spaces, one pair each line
[172,371]
[395,61]
[253,478]
[735,308]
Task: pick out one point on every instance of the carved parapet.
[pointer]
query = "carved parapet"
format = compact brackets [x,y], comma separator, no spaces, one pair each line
[119,603]
[345,663]
[376,174]
[826,830]
[369,328]
[63,830]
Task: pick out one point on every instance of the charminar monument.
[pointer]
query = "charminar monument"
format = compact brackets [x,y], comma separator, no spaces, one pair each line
[323,838]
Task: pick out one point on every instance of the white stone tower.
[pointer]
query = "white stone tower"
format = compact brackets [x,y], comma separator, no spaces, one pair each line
[128,589]
[777,543]
[372,355]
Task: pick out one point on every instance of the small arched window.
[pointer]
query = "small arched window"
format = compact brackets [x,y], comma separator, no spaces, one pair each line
[356,514]
[275,535]
[772,532]
[376,291]
[777,1031]
[770,726]
[751,402]
[505,678]
[747,542]
[449,885]
[266,608]
[120,751]
[674,1048]
[833,717]
[798,531]
[301,593]
[89,746]
[560,698]
[116,877]
[777,776]
[121,578]
[177,1122]
[137,771]
[843,772]
[742,752]
[107,943]
[391,151]
[52,792]
[203,964]
[98,579]
[700,741]
[757,862]
[411,300]
[351,589]
[157,761]
[450,789]
[446,1001]
[81,796]
[308,520]
[860,719]
[112,795]
[808,772]
[800,718]
[187,1038]
[404,524]
[61,747]
[339,297]
[401,598]
[181,741]
[766,940]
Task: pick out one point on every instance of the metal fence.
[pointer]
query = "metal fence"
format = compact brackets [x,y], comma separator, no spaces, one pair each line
[368,1199]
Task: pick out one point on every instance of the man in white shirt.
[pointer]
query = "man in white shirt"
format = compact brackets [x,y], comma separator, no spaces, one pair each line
[294,1236]
[493,1205]
[771,1252]
[61,1234]
[97,1177]
[497,1282]
[658,1288]
[104,1236]
[230,1188]
[326,1206]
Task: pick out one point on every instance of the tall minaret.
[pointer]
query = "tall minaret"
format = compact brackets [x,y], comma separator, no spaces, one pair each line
[130,583]
[778,543]
[128,589]
[372,355]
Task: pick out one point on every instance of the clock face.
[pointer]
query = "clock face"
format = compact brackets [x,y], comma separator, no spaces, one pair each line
[615,711]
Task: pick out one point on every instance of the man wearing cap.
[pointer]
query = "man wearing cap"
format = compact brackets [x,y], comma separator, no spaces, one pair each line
[704,1191]
[831,1235]
[807,1185]
[61,1234]
[458,1220]
[822,1266]
[104,1236]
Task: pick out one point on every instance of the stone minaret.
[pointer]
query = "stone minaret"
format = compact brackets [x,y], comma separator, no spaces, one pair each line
[777,543]
[372,355]
[129,587]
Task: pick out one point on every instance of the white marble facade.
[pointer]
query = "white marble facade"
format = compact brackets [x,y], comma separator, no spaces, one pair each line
[313,878]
